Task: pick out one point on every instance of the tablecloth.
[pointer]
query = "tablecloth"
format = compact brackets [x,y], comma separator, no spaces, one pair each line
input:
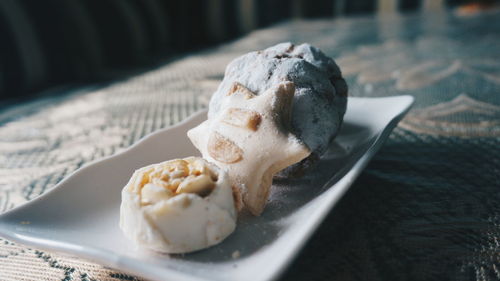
[426,208]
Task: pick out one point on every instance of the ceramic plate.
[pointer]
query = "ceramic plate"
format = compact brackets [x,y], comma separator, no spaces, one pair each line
[80,215]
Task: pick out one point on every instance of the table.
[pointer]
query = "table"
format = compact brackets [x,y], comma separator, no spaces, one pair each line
[426,208]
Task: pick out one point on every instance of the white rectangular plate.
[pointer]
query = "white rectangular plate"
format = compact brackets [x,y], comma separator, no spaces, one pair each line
[80,215]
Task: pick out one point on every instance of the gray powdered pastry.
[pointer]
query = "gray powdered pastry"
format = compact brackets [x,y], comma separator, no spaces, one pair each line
[320,92]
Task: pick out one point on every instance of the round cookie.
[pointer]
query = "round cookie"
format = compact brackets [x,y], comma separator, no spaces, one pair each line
[320,91]
[178,206]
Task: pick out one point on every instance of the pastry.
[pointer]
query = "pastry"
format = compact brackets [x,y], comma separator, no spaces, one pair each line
[250,138]
[320,96]
[178,206]
[275,109]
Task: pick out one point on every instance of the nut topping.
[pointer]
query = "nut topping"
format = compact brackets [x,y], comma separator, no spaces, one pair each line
[201,185]
[237,87]
[243,118]
[175,177]
[223,149]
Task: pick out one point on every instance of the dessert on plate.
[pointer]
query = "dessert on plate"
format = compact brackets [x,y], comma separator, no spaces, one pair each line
[276,111]
[250,138]
[178,206]
[320,98]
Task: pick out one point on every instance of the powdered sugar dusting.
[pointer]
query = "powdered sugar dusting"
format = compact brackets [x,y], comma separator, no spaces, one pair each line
[319,105]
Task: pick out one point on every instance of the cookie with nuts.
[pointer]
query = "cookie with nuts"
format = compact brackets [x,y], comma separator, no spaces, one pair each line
[320,98]
[178,206]
[251,139]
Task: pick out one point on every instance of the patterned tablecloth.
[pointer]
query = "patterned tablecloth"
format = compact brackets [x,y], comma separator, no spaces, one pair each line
[426,208]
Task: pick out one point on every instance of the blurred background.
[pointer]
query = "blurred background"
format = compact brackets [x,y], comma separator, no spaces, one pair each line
[49,43]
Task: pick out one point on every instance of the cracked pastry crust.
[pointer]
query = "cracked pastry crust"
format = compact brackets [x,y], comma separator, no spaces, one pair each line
[250,139]
[320,98]
[178,206]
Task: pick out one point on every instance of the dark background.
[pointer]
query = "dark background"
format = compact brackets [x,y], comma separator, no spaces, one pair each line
[54,42]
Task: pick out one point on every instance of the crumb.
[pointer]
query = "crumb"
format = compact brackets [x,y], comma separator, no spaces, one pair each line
[235,254]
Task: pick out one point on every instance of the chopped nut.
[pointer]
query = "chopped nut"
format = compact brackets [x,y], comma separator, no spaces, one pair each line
[176,176]
[201,185]
[178,169]
[155,173]
[223,149]
[144,179]
[173,184]
[159,182]
[178,163]
[151,194]
[236,254]
[237,87]
[165,175]
[140,181]
[243,118]
[197,168]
